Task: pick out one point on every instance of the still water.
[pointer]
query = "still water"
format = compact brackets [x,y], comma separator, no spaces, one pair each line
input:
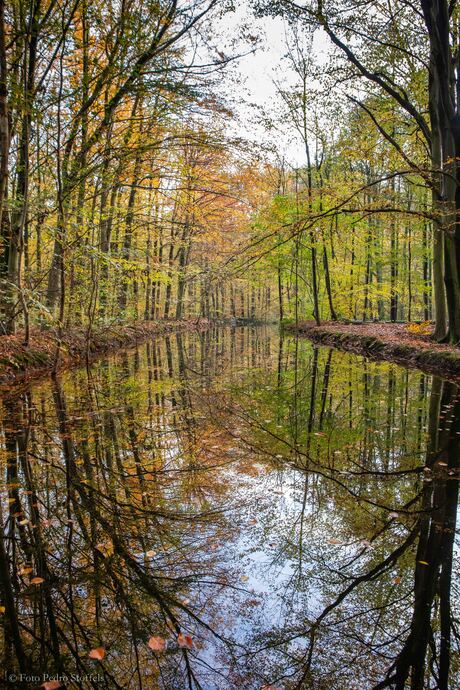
[264,512]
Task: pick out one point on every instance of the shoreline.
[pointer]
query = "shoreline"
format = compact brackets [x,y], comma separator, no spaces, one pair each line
[20,363]
[388,342]
[385,342]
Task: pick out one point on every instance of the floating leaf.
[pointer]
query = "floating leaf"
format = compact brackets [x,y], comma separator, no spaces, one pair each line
[334,541]
[37,581]
[2,609]
[98,653]
[424,563]
[157,644]
[105,548]
[244,578]
[150,554]
[184,641]
[51,685]
[25,571]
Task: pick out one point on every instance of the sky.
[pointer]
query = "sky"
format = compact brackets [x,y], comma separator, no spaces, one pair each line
[249,84]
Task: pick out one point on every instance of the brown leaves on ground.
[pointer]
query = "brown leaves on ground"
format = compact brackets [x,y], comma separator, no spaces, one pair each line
[20,362]
[391,333]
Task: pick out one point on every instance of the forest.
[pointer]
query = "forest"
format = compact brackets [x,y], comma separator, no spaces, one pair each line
[128,194]
[229,344]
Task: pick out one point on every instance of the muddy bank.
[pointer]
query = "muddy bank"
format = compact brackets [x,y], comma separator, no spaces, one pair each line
[18,361]
[391,342]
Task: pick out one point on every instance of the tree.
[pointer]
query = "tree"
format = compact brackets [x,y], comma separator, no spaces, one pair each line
[421,43]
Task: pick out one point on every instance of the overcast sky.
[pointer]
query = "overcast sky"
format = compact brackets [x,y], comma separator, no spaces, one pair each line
[249,86]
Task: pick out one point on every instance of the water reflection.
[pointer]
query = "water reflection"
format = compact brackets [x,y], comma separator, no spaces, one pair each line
[262,512]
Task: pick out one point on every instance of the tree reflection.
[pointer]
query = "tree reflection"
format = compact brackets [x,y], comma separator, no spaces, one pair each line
[281,506]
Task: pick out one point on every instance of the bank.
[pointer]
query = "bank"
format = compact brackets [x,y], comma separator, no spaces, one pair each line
[46,352]
[403,344]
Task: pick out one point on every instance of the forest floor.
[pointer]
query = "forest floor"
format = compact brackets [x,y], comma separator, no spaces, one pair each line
[404,344]
[20,362]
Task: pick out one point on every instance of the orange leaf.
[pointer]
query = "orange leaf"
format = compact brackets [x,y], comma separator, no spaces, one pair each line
[51,685]
[98,653]
[184,641]
[36,581]
[158,644]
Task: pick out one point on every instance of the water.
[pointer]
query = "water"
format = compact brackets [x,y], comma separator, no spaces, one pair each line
[290,509]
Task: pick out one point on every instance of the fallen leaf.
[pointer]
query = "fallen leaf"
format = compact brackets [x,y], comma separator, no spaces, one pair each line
[244,578]
[105,548]
[424,563]
[184,641]
[334,541]
[150,554]
[36,581]
[98,653]
[2,609]
[51,685]
[397,580]
[25,571]
[158,644]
